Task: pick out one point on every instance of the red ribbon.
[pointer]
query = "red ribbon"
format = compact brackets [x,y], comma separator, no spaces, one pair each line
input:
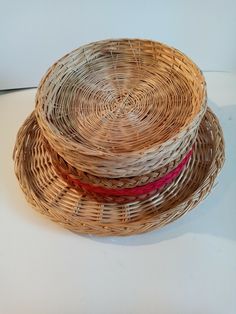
[139,190]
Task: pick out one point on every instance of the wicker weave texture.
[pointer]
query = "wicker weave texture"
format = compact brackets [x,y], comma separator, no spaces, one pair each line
[64,168]
[121,108]
[50,195]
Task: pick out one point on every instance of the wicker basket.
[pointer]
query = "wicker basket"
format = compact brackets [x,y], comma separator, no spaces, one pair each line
[53,197]
[121,108]
[121,140]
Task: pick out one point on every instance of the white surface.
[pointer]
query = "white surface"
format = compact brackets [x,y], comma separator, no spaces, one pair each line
[34,34]
[188,267]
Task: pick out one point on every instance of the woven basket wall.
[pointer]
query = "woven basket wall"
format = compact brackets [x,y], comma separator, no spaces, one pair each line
[78,212]
[121,108]
[115,117]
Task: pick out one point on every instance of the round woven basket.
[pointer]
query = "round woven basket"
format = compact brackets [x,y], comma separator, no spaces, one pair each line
[77,211]
[121,140]
[121,108]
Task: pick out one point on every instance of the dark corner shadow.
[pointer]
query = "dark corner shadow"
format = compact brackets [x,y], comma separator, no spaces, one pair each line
[215,216]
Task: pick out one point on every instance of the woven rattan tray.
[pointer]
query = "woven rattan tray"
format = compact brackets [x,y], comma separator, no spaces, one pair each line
[121,140]
[121,108]
[49,194]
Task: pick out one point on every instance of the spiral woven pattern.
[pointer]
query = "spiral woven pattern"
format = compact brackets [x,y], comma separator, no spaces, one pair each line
[50,194]
[121,108]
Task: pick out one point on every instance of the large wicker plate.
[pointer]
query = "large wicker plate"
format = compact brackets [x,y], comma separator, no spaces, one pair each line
[49,194]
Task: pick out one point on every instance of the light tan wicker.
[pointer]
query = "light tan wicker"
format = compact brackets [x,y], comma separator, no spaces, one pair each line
[49,194]
[63,167]
[121,108]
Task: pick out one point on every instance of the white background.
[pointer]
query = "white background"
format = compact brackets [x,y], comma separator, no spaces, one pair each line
[33,34]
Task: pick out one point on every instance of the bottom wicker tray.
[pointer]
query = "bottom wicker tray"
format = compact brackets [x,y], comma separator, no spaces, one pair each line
[50,195]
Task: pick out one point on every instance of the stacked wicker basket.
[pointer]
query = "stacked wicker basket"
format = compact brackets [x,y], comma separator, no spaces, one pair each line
[121,140]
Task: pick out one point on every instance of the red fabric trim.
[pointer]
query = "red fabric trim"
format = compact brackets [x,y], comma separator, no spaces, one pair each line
[139,190]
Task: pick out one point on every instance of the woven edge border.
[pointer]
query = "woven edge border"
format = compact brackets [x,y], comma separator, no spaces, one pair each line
[135,227]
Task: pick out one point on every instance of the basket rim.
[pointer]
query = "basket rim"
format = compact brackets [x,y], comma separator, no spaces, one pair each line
[91,151]
[189,202]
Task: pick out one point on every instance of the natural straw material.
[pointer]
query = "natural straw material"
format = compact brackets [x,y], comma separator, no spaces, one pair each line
[65,168]
[121,108]
[47,192]
[125,195]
